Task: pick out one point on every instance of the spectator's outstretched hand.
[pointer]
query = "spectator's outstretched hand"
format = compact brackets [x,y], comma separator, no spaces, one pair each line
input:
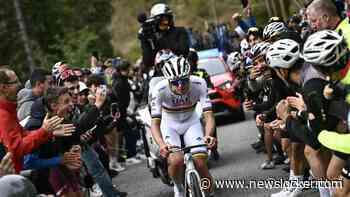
[101,95]
[51,124]
[6,165]
[72,159]
[64,130]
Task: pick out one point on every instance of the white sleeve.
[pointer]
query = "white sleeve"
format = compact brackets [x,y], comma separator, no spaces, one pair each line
[156,103]
[204,98]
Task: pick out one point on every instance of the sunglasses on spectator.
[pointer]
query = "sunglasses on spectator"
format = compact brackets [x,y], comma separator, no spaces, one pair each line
[12,82]
[182,81]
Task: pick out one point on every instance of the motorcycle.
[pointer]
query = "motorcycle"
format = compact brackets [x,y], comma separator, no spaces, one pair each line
[156,164]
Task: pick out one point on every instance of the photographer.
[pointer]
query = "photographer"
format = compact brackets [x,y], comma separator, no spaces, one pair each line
[158,32]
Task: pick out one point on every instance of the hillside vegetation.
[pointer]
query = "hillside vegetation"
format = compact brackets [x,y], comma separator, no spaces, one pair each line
[71,29]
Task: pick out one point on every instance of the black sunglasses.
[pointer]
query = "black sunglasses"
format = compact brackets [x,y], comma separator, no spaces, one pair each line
[182,81]
[12,82]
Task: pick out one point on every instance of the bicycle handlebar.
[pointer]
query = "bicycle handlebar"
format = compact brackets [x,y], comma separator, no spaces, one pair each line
[186,149]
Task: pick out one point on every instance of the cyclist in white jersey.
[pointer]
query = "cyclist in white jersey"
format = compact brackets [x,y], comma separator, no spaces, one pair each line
[173,115]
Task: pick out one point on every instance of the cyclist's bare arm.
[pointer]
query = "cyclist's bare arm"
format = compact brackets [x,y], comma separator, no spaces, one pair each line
[156,111]
[209,123]
[155,129]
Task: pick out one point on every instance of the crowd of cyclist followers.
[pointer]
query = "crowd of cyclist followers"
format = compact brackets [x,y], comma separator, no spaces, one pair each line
[73,128]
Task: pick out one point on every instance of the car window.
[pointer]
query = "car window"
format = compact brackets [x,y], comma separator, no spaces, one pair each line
[212,66]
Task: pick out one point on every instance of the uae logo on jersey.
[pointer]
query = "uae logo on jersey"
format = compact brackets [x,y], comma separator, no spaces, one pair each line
[181,100]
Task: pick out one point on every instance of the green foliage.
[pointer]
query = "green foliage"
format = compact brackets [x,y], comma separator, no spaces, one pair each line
[76,46]
[58,30]
[71,29]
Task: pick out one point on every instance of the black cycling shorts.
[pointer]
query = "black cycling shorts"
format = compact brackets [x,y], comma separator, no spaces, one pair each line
[299,133]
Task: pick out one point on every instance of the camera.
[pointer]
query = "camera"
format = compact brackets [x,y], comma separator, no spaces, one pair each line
[148,26]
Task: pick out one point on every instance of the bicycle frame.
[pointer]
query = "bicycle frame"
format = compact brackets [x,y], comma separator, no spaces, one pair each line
[190,169]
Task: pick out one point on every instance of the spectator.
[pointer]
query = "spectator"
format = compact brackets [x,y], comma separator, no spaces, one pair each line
[323,14]
[121,91]
[17,141]
[48,155]
[40,81]
[15,185]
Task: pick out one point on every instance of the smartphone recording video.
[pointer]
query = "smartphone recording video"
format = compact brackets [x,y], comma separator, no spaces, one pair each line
[114,108]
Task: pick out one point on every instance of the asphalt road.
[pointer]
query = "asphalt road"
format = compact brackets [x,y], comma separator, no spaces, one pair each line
[238,161]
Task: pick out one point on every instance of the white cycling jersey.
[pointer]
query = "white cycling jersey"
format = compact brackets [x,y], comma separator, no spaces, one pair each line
[166,104]
[177,112]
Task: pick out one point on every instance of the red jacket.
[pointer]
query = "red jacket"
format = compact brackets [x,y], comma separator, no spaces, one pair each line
[13,136]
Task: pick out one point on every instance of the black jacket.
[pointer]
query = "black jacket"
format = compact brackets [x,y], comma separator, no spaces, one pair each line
[176,39]
[278,90]
[121,93]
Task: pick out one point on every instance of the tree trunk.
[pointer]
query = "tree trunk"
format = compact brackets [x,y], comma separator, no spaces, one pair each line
[284,10]
[23,33]
[268,8]
[274,9]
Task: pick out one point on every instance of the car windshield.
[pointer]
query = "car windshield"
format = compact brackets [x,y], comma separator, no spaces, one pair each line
[212,66]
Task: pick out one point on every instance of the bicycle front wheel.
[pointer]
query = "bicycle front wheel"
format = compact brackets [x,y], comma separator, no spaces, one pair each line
[194,186]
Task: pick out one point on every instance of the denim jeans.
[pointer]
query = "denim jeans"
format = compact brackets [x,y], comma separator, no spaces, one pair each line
[98,172]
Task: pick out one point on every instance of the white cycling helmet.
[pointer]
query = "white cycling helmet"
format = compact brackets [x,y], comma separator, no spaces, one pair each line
[160,9]
[283,54]
[162,56]
[176,68]
[234,60]
[259,49]
[273,29]
[324,48]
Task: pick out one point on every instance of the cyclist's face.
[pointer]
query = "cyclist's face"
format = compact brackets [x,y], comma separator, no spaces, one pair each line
[180,86]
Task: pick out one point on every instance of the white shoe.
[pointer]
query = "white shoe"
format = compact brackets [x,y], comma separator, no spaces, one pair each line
[141,156]
[114,165]
[132,160]
[96,191]
[283,193]
[179,192]
[268,165]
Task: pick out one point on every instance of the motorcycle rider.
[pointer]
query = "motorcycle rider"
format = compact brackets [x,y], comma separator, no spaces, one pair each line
[159,32]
